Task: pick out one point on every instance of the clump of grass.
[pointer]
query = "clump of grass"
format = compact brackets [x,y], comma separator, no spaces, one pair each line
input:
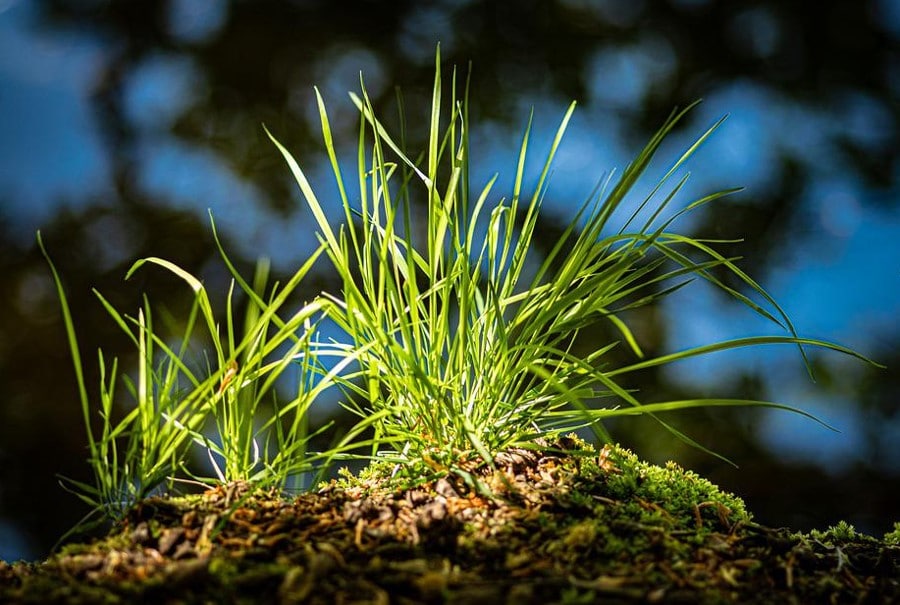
[173,405]
[459,348]
[455,347]
[132,455]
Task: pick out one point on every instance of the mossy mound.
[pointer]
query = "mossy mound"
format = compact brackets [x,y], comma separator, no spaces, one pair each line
[561,524]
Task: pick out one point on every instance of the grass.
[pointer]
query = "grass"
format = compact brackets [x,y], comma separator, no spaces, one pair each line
[460,348]
[216,408]
[460,343]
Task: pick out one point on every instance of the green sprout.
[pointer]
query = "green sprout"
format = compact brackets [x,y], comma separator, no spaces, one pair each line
[460,348]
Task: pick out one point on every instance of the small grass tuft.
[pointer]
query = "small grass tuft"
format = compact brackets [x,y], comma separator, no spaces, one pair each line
[231,408]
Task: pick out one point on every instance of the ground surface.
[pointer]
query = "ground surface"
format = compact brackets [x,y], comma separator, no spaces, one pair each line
[544,527]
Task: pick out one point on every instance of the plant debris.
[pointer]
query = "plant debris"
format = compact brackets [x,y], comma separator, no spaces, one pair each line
[559,524]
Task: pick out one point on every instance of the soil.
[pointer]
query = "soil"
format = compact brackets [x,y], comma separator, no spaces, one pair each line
[563,524]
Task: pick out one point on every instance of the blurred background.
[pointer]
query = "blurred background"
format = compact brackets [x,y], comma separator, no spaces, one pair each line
[123,121]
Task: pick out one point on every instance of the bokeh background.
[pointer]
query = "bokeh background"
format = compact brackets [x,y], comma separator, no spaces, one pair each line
[123,121]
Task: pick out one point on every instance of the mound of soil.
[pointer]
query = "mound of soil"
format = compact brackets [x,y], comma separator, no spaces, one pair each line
[563,524]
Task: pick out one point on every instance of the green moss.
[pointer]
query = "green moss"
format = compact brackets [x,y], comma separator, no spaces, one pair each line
[679,492]
[893,537]
[567,523]
[842,532]
[623,477]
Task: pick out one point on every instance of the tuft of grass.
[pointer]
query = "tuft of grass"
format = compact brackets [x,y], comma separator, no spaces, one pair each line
[461,341]
[254,436]
[460,348]
[133,454]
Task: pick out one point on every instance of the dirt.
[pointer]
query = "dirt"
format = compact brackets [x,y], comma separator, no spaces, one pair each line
[565,524]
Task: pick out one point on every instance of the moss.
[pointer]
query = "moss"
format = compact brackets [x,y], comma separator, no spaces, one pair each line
[677,491]
[841,532]
[565,523]
[893,537]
